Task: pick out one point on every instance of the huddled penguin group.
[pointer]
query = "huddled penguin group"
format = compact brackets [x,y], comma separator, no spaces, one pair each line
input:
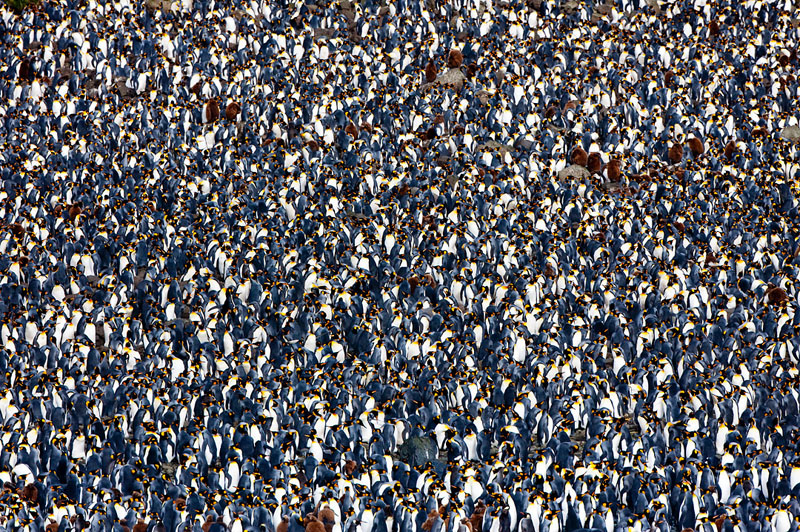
[400,266]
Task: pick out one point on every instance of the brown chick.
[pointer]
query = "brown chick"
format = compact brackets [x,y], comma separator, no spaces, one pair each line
[730,149]
[232,111]
[283,526]
[428,524]
[430,72]
[74,211]
[613,170]
[579,156]
[413,282]
[696,147]
[17,230]
[719,522]
[351,130]
[776,295]
[476,519]
[209,523]
[313,524]
[594,163]
[212,111]
[675,153]
[455,58]
[140,526]
[30,492]
[327,518]
[24,70]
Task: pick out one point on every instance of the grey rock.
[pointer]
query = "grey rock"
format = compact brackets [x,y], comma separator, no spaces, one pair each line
[453,76]
[611,187]
[154,5]
[90,80]
[573,171]
[418,451]
[355,215]
[601,11]
[791,133]
[655,4]
[324,33]
[521,143]
[499,76]
[571,6]
[124,90]
[493,145]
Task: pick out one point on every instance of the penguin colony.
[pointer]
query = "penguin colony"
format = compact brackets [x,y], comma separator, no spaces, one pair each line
[401,266]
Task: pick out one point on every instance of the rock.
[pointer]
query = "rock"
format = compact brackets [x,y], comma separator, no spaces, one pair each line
[655,5]
[155,5]
[493,145]
[452,76]
[123,89]
[350,213]
[241,131]
[348,9]
[418,451]
[483,96]
[611,187]
[570,7]
[791,133]
[523,143]
[90,80]
[601,11]
[499,76]
[169,468]
[324,33]
[573,171]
